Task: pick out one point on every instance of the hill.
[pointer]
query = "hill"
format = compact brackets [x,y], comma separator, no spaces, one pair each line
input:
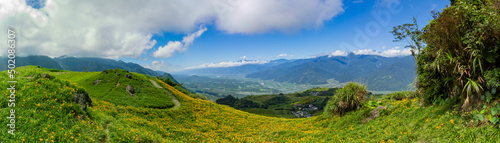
[78,64]
[294,105]
[46,112]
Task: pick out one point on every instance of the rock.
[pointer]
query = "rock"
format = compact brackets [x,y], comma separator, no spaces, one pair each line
[130,90]
[374,113]
[104,71]
[108,80]
[45,76]
[96,82]
[128,76]
[83,100]
[38,66]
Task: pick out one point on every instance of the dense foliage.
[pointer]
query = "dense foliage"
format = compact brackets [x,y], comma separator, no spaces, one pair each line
[457,52]
[346,99]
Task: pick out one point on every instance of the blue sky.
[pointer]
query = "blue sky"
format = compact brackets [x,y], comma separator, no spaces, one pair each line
[216,46]
[172,35]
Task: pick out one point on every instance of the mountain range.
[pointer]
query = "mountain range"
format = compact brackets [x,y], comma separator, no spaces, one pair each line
[82,64]
[377,72]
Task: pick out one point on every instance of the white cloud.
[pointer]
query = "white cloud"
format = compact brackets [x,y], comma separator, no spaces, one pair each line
[176,46]
[259,16]
[282,55]
[394,52]
[228,64]
[338,53]
[243,58]
[157,65]
[188,40]
[124,28]
[169,49]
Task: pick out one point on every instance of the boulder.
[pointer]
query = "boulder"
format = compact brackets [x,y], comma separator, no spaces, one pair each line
[96,82]
[83,100]
[45,76]
[374,113]
[104,71]
[128,76]
[130,90]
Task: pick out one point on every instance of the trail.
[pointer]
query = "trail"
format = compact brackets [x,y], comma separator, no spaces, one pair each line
[177,104]
[105,140]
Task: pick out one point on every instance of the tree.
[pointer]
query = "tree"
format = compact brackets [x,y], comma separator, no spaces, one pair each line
[455,50]
[409,33]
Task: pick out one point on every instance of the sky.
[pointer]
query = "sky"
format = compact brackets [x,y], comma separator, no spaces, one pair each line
[173,35]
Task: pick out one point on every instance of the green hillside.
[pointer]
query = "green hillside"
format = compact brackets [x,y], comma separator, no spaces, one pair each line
[45,112]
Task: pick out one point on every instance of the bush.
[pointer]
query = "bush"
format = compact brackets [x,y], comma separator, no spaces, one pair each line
[346,99]
[400,95]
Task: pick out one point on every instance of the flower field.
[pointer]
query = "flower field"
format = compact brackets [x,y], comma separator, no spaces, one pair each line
[46,113]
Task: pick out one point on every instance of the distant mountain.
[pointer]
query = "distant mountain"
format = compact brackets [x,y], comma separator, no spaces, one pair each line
[167,75]
[43,61]
[79,64]
[377,72]
[236,70]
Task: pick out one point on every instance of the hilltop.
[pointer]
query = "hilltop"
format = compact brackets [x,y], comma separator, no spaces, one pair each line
[46,112]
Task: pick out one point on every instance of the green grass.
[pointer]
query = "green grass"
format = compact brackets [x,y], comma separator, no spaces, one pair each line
[203,121]
[271,112]
[146,94]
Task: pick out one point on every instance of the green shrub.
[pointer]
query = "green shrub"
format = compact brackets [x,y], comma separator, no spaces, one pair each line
[346,99]
[455,51]
[400,95]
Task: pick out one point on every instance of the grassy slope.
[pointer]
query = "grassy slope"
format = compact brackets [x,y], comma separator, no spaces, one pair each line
[199,120]
[146,95]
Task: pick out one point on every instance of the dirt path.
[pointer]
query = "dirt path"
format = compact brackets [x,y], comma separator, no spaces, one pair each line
[177,104]
[106,138]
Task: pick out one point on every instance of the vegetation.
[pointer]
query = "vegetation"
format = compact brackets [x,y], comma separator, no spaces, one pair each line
[47,114]
[215,88]
[457,52]
[281,105]
[113,84]
[457,57]
[346,99]
[400,95]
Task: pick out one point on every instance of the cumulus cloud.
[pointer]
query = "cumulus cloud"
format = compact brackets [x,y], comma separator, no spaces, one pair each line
[157,65]
[177,46]
[394,52]
[259,16]
[228,64]
[124,28]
